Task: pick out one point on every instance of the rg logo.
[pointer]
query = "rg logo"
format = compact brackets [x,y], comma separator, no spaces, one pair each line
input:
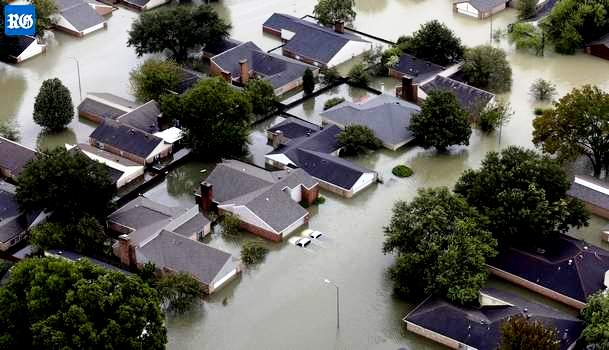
[19,20]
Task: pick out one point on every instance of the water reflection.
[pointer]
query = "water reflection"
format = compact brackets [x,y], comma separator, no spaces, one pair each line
[49,140]
[13,85]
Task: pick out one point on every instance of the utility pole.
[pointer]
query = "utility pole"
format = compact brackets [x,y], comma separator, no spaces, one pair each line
[78,71]
[327,281]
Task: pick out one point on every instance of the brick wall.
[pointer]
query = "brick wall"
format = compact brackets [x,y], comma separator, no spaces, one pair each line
[91,117]
[309,196]
[604,213]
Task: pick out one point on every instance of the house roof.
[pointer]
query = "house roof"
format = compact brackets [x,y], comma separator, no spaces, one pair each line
[483,5]
[220,46]
[98,108]
[565,265]
[419,70]
[188,79]
[144,117]
[275,69]
[311,40]
[14,156]
[293,128]
[77,257]
[128,104]
[15,45]
[12,220]
[112,159]
[590,190]
[469,97]
[387,116]
[126,138]
[604,40]
[179,253]
[480,327]
[79,14]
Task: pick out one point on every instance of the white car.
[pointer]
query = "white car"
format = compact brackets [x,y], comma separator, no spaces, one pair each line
[315,235]
[302,242]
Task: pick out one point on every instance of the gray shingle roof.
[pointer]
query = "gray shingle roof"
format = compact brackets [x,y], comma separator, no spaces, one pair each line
[419,70]
[293,128]
[220,46]
[14,156]
[115,99]
[15,45]
[484,5]
[388,117]
[99,109]
[12,222]
[79,14]
[145,117]
[602,41]
[310,40]
[469,97]
[126,138]
[588,194]
[480,327]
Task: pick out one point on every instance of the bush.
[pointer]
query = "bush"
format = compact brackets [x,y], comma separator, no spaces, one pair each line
[308,82]
[53,109]
[355,139]
[493,116]
[543,90]
[253,252]
[231,225]
[319,200]
[333,102]
[179,292]
[358,75]
[487,67]
[402,171]
[330,76]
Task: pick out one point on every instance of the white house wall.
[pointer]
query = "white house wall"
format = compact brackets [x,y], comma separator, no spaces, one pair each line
[349,51]
[293,227]
[364,181]
[33,50]
[155,3]
[159,149]
[467,9]
[295,193]
[92,29]
[228,271]
[280,158]
[63,22]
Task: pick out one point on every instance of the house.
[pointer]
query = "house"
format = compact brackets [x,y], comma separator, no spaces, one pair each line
[247,61]
[144,5]
[415,68]
[387,116]
[479,327]
[594,194]
[122,171]
[129,142]
[77,17]
[13,158]
[266,202]
[480,9]
[74,257]
[299,144]
[145,117]
[14,224]
[315,44]
[98,106]
[17,49]
[188,79]
[218,47]
[470,98]
[564,269]
[101,8]
[599,48]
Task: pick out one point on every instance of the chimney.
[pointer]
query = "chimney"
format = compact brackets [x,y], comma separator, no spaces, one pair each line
[277,138]
[339,27]
[245,71]
[126,252]
[207,194]
[410,90]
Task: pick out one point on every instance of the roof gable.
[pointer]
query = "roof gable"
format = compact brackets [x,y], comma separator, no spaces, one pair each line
[144,117]
[79,14]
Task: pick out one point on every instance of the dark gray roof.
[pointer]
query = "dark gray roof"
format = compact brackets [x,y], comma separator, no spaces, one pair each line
[565,265]
[220,46]
[588,194]
[484,5]
[115,99]
[469,97]
[179,253]
[126,138]
[188,79]
[275,69]
[602,41]
[137,3]
[13,46]
[311,40]
[145,117]
[419,70]
[294,128]
[79,14]
[96,108]
[142,212]
[77,257]
[192,225]
[388,117]
[14,156]
[12,222]
[480,327]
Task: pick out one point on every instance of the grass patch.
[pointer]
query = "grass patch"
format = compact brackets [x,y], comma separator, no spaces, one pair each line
[402,171]
[333,102]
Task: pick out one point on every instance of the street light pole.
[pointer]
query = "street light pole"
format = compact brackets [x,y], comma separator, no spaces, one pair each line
[337,302]
[78,71]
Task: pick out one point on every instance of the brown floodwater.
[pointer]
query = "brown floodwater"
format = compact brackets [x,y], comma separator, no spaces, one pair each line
[284,303]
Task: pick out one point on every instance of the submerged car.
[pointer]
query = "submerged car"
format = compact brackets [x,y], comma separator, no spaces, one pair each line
[315,234]
[303,242]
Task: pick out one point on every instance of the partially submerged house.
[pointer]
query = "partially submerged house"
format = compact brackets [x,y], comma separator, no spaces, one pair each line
[313,43]
[470,98]
[480,9]
[593,192]
[563,269]
[77,17]
[17,49]
[14,224]
[144,5]
[218,47]
[299,144]
[266,202]
[13,158]
[387,116]
[98,106]
[415,68]
[479,327]
[247,61]
[599,48]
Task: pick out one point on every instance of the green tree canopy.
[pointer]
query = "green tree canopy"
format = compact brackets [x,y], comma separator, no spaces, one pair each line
[154,78]
[179,292]
[45,11]
[253,252]
[85,235]
[527,9]
[441,122]
[68,184]
[542,90]
[596,320]
[527,36]
[434,42]
[308,81]
[356,139]
[56,304]
[494,115]
[261,95]
[329,12]
[177,30]
[53,108]
[358,75]
[578,125]
[487,67]
[440,246]
[9,129]
[523,194]
[519,333]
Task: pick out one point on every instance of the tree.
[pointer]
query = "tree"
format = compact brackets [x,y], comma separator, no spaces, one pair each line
[358,75]
[523,194]
[231,225]
[441,122]
[330,76]
[261,95]
[253,252]
[486,67]
[179,292]
[85,235]
[330,12]
[53,108]
[9,129]
[527,9]
[440,247]
[215,117]
[308,82]
[434,42]
[494,115]
[177,30]
[519,332]
[154,78]
[578,125]
[542,90]
[68,184]
[355,139]
[45,15]
[596,320]
[335,101]
[56,304]
[526,36]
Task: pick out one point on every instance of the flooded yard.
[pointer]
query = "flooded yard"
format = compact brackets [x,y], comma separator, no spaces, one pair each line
[284,303]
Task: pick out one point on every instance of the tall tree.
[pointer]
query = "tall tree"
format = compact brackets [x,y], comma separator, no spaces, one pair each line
[527,9]
[578,125]
[56,304]
[53,108]
[308,81]
[596,320]
[523,194]
[487,67]
[434,42]
[261,95]
[519,333]
[177,30]
[154,78]
[356,139]
[441,122]
[440,247]
[85,235]
[45,15]
[330,12]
